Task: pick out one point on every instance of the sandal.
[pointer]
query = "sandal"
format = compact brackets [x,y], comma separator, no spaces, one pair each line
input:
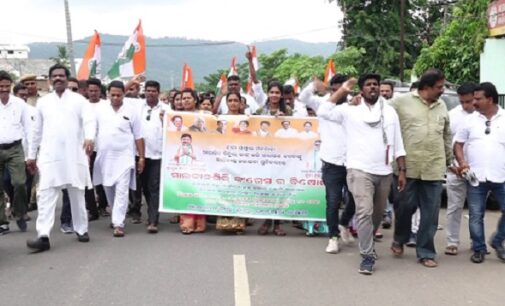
[451,250]
[428,262]
[397,248]
[263,230]
[278,231]
[186,231]
[118,232]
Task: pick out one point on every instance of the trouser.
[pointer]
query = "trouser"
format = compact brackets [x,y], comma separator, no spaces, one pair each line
[370,193]
[13,159]
[48,198]
[135,196]
[349,207]
[424,195]
[9,189]
[89,194]
[334,177]
[456,195]
[477,207]
[117,196]
[150,180]
[66,211]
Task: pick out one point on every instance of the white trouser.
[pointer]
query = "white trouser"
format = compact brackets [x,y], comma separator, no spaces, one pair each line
[117,197]
[456,195]
[416,218]
[47,200]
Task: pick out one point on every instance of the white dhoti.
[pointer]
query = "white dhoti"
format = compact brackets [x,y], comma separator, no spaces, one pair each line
[47,200]
[117,197]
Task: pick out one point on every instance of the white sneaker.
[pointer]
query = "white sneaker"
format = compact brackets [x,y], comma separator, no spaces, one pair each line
[332,247]
[346,235]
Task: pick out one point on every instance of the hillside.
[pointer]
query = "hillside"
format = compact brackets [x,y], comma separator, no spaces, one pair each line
[165,56]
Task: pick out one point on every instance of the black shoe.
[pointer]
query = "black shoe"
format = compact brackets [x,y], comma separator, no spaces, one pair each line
[39,245]
[500,251]
[21,222]
[83,238]
[4,229]
[478,257]
[32,206]
[93,217]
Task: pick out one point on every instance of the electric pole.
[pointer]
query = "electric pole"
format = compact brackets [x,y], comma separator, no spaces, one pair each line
[70,44]
[402,39]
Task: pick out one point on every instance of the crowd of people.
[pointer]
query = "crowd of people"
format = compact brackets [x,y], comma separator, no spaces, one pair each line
[100,148]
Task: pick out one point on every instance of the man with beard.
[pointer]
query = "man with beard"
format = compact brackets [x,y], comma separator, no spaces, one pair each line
[64,130]
[425,126]
[373,143]
[387,90]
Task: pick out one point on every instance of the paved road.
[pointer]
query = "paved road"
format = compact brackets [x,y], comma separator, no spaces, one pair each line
[172,269]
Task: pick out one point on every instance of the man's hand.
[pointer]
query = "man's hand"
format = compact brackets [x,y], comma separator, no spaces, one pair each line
[140,165]
[349,84]
[402,181]
[88,146]
[319,86]
[356,100]
[248,55]
[31,165]
[464,167]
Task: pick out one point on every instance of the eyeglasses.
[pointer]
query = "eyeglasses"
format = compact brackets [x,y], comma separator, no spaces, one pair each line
[488,127]
[149,114]
[74,89]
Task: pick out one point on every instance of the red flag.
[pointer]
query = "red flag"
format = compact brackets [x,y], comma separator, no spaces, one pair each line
[222,81]
[233,67]
[187,77]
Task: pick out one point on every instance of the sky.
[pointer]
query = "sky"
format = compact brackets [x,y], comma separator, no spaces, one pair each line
[246,21]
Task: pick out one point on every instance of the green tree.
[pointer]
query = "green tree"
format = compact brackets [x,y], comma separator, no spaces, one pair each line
[62,56]
[457,50]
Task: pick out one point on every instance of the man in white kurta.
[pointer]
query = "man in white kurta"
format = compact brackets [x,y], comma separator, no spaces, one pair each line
[119,132]
[63,134]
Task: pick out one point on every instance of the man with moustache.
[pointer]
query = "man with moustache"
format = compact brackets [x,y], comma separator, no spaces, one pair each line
[425,127]
[14,128]
[63,135]
[30,82]
[373,143]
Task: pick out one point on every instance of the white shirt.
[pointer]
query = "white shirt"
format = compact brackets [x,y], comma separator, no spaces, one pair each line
[300,110]
[485,154]
[307,135]
[152,129]
[331,133]
[366,150]
[59,129]
[14,120]
[457,117]
[286,133]
[115,143]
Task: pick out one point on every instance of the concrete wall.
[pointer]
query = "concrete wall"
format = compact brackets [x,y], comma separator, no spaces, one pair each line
[492,63]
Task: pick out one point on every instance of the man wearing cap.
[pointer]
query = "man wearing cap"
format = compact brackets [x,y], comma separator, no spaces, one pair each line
[14,127]
[30,82]
[373,142]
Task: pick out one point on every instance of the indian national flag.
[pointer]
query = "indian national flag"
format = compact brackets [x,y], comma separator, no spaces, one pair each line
[187,77]
[233,67]
[329,72]
[131,60]
[222,81]
[252,49]
[91,66]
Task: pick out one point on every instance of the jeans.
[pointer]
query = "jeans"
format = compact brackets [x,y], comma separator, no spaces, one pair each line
[426,196]
[150,180]
[334,181]
[476,197]
[349,207]
[66,211]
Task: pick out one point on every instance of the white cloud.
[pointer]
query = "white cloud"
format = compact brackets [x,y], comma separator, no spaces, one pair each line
[239,20]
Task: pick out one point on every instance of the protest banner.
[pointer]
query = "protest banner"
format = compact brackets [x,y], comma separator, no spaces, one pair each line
[255,167]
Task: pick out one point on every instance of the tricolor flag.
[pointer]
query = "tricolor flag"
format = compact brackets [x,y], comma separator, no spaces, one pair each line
[187,78]
[222,81]
[233,67]
[91,66]
[255,62]
[293,82]
[131,60]
[329,72]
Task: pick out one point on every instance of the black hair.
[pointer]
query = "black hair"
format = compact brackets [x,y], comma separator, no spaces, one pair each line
[307,122]
[94,81]
[282,103]
[367,76]
[338,79]
[267,122]
[152,83]
[116,84]
[82,84]
[72,79]
[389,83]
[176,116]
[234,93]
[414,85]
[288,89]
[193,94]
[466,88]
[59,66]
[4,75]
[489,91]
[247,122]
[430,78]
[18,87]
[233,78]
[186,135]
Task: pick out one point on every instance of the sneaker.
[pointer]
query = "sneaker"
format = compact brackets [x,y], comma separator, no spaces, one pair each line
[500,251]
[66,228]
[375,255]
[412,241]
[478,257]
[345,234]
[4,229]
[366,265]
[332,247]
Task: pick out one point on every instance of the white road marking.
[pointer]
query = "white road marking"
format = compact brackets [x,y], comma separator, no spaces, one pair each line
[241,281]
